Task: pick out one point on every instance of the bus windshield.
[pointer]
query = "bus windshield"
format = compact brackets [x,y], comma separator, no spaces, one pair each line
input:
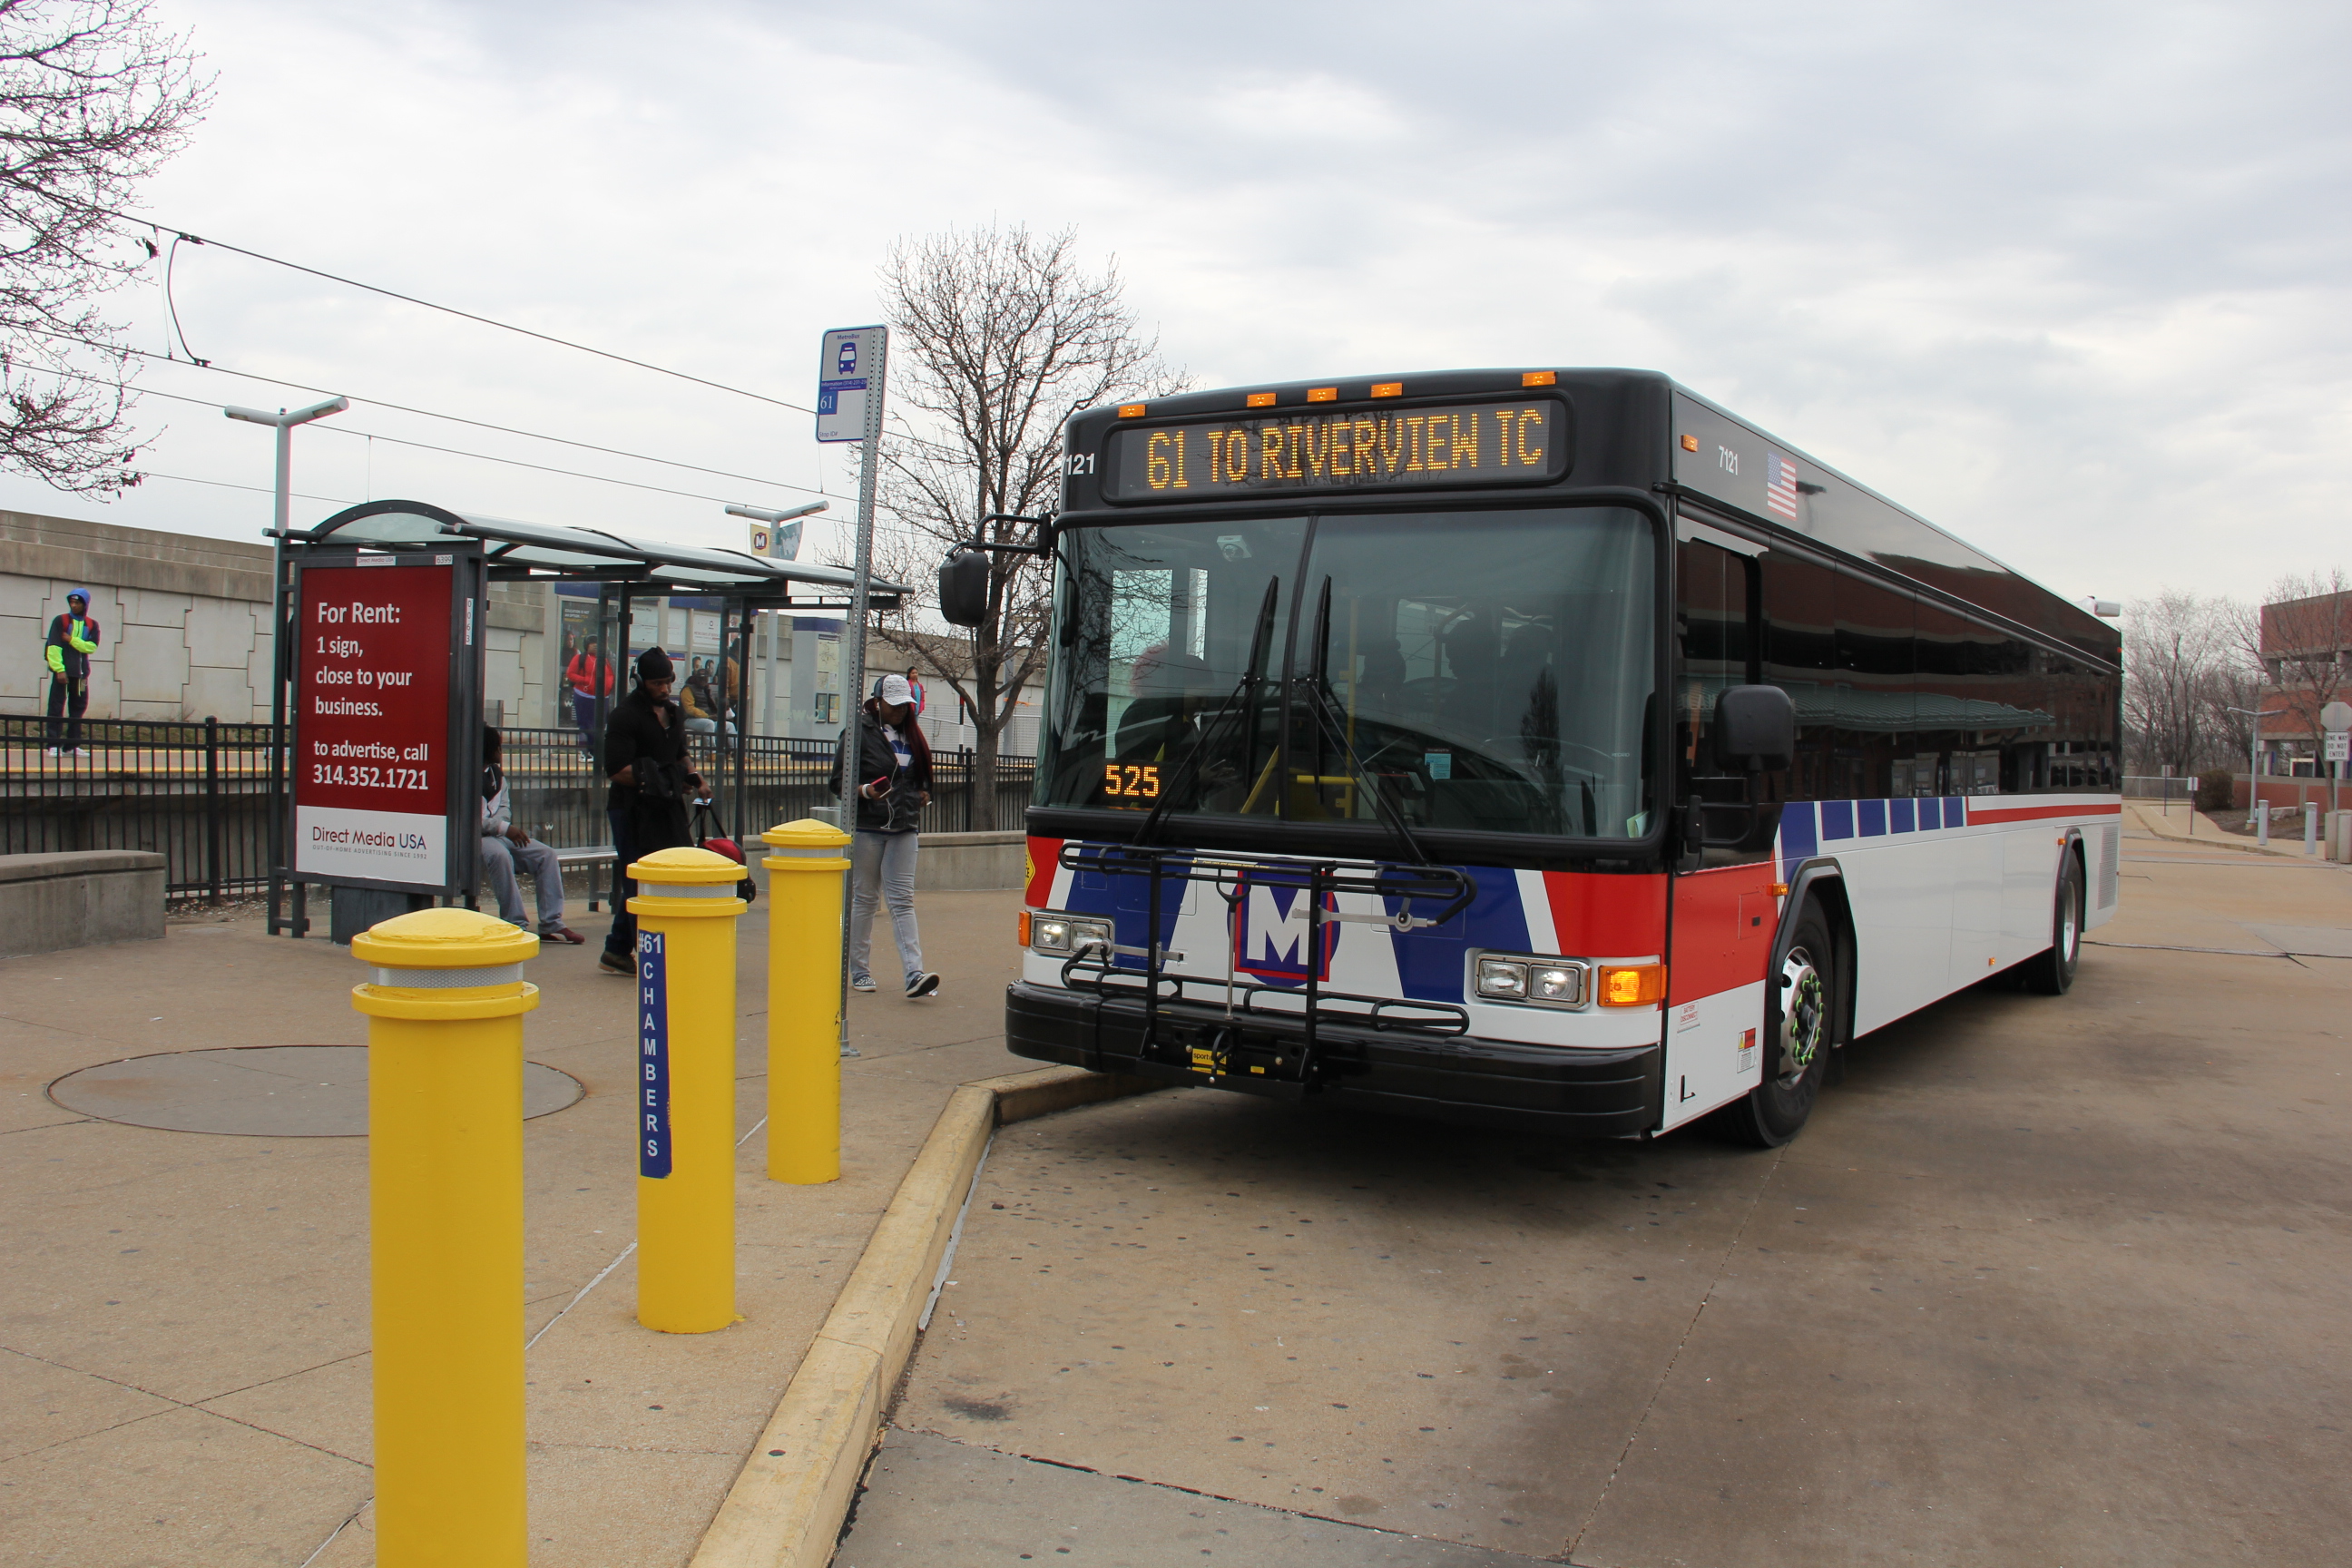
[1484,671]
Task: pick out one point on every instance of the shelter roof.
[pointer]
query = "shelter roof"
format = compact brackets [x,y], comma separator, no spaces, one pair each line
[545,552]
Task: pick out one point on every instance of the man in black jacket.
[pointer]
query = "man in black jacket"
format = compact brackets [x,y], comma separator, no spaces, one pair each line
[644,757]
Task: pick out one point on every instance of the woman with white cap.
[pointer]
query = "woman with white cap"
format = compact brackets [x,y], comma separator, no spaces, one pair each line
[893,785]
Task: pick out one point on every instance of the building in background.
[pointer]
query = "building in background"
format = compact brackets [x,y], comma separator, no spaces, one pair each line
[2306,653]
[946,722]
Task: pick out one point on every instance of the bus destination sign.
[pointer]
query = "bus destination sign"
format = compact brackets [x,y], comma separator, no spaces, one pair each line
[1467,443]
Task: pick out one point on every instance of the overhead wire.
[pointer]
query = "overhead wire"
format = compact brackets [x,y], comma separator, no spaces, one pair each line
[457,419]
[449,451]
[227,485]
[451,310]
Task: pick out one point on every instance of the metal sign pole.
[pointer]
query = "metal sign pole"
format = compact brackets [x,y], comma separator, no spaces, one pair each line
[873,363]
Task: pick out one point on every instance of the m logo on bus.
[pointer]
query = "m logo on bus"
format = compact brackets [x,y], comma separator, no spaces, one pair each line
[1271,934]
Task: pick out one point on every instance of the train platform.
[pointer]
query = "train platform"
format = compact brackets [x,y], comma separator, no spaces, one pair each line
[184,1321]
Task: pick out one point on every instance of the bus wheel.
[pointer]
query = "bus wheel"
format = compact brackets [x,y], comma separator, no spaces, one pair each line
[1799,1006]
[2051,973]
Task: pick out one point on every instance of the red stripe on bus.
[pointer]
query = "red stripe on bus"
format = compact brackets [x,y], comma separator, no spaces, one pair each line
[1607,917]
[1725,920]
[2042,813]
[1044,857]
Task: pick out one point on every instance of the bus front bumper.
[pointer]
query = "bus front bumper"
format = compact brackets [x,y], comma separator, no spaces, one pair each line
[1611,1093]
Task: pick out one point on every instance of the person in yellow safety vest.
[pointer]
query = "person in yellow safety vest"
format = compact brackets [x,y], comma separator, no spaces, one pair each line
[73,637]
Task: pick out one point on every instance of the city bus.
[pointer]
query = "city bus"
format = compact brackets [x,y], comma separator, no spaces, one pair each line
[1548,749]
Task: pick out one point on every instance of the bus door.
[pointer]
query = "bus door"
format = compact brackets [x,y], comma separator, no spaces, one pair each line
[1724,914]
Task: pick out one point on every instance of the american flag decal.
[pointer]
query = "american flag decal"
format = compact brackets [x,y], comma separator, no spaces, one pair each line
[1780,485]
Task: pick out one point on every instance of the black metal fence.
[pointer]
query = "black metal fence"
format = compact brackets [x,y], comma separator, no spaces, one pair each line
[197,791]
[557,796]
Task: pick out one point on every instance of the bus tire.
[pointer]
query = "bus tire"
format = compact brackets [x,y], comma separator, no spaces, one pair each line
[1800,1033]
[2051,972]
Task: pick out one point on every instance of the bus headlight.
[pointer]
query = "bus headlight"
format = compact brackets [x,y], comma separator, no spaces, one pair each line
[1058,935]
[1557,983]
[1503,979]
[1528,978]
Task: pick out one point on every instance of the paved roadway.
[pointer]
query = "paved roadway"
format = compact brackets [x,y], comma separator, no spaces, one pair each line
[2048,1281]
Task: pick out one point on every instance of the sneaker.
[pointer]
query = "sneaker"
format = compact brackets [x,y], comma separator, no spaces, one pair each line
[615,963]
[849,1053]
[564,934]
[923,984]
[53,752]
[861,983]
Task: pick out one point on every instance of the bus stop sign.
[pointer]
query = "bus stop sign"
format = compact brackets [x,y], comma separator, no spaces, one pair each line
[845,366]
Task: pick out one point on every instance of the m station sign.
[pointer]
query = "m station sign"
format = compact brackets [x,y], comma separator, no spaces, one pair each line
[386,666]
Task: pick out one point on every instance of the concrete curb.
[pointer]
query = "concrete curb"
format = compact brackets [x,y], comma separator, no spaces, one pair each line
[788,1504]
[2156,822]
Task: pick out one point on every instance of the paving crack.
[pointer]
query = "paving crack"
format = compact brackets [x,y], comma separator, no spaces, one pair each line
[1634,1435]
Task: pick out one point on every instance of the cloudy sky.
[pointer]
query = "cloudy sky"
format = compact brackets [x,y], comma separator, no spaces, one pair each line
[2070,279]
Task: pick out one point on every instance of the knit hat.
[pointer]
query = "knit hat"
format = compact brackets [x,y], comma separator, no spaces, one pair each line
[655,665]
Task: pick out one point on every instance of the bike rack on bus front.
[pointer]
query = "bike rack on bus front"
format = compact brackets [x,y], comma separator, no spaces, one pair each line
[1093,968]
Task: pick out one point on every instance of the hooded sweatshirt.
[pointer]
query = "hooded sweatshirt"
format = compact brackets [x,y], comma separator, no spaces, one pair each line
[72,639]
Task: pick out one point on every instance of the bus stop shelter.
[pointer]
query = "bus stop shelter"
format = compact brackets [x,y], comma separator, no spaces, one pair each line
[621,567]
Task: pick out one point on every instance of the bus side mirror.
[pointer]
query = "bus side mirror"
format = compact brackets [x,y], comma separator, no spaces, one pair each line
[963,586]
[1754,728]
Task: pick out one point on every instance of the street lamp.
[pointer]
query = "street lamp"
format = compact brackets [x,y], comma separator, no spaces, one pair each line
[763,514]
[2254,752]
[284,423]
[789,552]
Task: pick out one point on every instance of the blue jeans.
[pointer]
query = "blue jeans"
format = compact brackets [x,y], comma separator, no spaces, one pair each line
[502,857]
[882,867]
[584,716]
[623,938]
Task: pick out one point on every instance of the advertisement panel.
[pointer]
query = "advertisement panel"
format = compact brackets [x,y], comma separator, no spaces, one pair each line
[377,656]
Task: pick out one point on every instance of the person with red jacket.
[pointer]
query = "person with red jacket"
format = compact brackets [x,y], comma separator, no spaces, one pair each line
[585,673]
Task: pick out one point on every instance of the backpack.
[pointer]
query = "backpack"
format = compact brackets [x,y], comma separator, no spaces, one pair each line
[704,812]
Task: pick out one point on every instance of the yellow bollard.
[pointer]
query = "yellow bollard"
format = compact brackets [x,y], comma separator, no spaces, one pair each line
[685,908]
[806,882]
[445,1219]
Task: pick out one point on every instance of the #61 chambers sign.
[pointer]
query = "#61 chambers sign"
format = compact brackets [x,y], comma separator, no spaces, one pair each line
[374,658]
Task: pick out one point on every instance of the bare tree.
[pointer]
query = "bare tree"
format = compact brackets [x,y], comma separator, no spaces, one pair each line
[94,96]
[2173,645]
[998,337]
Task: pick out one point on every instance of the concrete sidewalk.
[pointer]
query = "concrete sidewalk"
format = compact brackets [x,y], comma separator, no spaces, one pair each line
[2183,826]
[184,1325]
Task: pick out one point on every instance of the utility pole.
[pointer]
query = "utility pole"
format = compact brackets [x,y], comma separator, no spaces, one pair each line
[280,524]
[854,361]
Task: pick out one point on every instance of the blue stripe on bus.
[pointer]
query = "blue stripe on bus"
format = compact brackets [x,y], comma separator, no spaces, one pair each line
[1837,819]
[1430,963]
[1797,841]
[1902,815]
[1870,818]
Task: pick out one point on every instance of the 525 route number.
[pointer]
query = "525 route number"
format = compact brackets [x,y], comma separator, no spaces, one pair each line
[1131,781]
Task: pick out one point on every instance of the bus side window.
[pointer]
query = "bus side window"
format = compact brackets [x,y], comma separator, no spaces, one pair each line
[1872,704]
[1800,655]
[1716,645]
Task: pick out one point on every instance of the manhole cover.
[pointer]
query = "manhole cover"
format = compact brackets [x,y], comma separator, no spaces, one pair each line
[262,1091]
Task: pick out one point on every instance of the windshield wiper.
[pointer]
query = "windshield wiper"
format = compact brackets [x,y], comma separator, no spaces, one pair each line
[1243,693]
[1327,710]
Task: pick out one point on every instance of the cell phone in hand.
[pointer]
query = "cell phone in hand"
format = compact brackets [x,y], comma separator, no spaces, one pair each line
[879,788]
